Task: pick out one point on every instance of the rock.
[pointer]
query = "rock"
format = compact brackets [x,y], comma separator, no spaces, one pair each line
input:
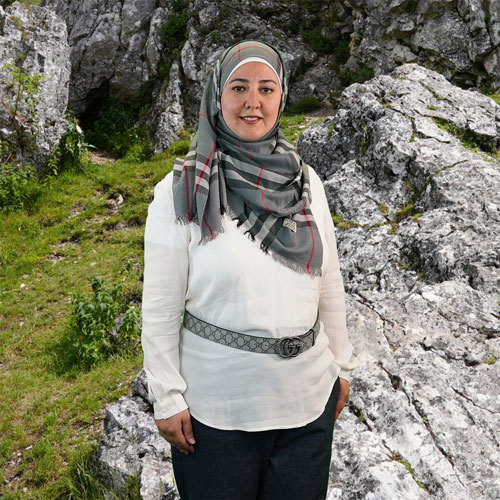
[410,174]
[459,39]
[132,448]
[115,47]
[33,40]
[170,109]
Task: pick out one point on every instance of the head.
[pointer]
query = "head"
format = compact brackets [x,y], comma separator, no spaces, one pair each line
[251,89]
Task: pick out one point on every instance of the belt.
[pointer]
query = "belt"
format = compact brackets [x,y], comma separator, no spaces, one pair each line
[286,347]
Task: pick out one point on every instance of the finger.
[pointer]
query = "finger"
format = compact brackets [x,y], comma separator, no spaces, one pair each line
[181,444]
[187,429]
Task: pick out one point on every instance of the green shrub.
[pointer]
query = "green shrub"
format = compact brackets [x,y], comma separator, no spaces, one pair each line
[173,34]
[100,326]
[342,51]
[19,188]
[317,41]
[115,129]
[71,151]
[362,74]
[305,105]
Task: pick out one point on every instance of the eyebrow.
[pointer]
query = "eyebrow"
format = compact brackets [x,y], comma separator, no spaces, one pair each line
[244,80]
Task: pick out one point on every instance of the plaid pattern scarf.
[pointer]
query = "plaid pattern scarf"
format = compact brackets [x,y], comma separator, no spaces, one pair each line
[262,184]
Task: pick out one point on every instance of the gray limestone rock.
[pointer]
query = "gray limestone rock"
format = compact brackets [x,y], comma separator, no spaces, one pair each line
[132,448]
[410,174]
[459,39]
[33,40]
[169,106]
[115,47]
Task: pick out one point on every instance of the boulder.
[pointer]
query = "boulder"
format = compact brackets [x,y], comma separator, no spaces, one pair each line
[115,47]
[412,175]
[34,79]
[132,448]
[460,39]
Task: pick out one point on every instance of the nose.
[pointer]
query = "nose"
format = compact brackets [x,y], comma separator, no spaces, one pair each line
[253,98]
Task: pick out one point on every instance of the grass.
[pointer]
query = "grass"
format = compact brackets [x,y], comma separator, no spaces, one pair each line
[76,230]
[293,125]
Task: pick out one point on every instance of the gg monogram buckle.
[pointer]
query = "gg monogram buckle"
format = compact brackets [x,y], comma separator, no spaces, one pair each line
[289,347]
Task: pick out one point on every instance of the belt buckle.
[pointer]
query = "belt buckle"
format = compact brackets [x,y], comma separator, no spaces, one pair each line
[289,347]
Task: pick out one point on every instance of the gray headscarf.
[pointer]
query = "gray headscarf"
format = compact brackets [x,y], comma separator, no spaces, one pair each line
[262,184]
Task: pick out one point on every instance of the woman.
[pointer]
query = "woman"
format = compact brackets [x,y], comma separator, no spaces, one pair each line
[240,247]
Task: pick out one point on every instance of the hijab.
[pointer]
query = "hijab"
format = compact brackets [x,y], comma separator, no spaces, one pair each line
[262,184]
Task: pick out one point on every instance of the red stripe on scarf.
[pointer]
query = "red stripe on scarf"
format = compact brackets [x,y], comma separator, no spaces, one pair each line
[312,237]
[260,173]
[252,47]
[208,225]
[205,167]
[204,116]
[239,52]
[187,194]
[263,202]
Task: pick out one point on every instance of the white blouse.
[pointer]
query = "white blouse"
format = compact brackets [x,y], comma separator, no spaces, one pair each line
[231,283]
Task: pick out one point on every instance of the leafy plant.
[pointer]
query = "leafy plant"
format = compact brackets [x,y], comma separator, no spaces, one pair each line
[363,73]
[71,151]
[173,34]
[21,106]
[115,129]
[19,187]
[342,51]
[101,326]
[317,41]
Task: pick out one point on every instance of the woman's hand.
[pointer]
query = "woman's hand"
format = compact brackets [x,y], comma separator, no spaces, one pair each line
[178,431]
[343,395]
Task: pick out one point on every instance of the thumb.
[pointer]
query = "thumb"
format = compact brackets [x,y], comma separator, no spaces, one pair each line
[187,430]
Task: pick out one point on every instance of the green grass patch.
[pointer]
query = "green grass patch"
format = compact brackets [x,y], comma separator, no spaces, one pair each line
[87,223]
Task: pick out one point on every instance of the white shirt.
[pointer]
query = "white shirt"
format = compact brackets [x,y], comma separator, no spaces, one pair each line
[231,283]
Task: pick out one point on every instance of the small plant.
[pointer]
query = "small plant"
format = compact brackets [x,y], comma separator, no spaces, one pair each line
[363,73]
[100,327]
[71,151]
[19,188]
[317,41]
[115,130]
[342,51]
[23,89]
[491,360]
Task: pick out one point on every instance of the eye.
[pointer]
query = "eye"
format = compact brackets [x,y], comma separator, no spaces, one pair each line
[238,88]
[267,90]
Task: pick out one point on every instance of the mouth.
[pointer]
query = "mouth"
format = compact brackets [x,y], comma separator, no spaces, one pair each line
[250,119]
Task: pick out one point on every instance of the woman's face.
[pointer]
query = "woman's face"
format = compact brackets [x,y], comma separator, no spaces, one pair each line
[251,101]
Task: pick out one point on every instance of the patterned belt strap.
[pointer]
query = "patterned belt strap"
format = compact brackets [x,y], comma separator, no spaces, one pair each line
[286,347]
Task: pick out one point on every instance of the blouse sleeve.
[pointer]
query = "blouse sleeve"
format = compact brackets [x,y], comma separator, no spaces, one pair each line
[332,308]
[166,264]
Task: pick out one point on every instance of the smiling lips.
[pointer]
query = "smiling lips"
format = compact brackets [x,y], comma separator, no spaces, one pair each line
[250,119]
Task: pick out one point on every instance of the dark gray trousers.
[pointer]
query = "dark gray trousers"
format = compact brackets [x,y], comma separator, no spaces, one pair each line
[291,464]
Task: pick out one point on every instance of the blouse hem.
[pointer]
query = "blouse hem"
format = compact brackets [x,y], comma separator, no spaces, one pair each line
[268,427]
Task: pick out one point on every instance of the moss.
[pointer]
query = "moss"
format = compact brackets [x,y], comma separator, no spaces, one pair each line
[490,360]
[432,108]
[342,223]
